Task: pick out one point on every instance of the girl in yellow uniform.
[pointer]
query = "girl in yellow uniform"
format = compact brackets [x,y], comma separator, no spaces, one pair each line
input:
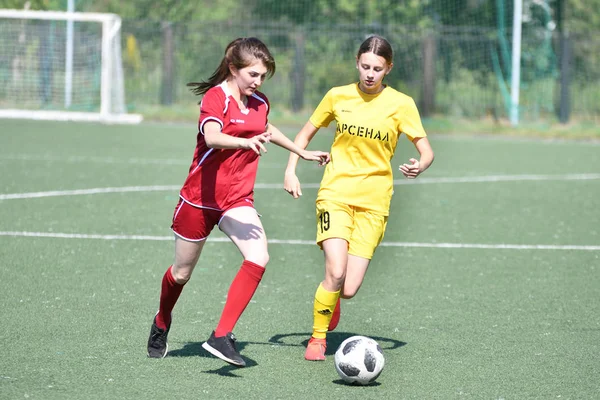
[353,201]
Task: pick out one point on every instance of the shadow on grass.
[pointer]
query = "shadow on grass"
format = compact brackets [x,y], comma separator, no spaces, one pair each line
[195,349]
[300,339]
[344,383]
[334,339]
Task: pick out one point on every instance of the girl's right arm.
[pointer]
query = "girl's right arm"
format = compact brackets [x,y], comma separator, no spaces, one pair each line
[215,139]
[291,184]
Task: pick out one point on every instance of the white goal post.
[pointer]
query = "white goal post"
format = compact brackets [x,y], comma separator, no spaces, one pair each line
[51,71]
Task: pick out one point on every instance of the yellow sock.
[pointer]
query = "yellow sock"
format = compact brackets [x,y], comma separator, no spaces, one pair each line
[323,310]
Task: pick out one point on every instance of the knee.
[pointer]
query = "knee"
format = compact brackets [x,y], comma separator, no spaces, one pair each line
[181,274]
[349,291]
[336,277]
[261,259]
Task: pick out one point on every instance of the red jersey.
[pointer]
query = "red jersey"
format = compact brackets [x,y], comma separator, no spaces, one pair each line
[218,178]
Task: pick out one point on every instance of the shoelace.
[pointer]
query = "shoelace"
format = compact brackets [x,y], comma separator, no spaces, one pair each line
[231,341]
[159,337]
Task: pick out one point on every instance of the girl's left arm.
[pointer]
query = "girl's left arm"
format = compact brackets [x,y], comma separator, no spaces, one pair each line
[424,148]
[417,167]
[283,141]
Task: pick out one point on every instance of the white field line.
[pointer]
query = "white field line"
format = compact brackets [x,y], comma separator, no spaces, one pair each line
[306,242]
[92,159]
[114,160]
[501,178]
[279,186]
[78,192]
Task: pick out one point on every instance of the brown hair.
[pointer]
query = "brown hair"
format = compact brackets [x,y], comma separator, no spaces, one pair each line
[241,53]
[379,46]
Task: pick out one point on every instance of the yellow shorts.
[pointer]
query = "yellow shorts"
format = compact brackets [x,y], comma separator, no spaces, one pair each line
[361,228]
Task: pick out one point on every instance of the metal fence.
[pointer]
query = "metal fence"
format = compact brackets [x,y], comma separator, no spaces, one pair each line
[461,72]
[449,71]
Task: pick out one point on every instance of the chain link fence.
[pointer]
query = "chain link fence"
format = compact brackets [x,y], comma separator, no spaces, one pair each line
[462,72]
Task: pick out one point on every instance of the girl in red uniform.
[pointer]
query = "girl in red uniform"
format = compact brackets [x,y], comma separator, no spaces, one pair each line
[232,132]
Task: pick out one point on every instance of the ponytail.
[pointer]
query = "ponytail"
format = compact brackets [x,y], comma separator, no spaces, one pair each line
[220,74]
[241,53]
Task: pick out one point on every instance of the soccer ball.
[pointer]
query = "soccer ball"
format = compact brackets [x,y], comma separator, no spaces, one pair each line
[359,359]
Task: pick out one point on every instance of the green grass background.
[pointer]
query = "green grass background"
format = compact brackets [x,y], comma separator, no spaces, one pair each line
[454,322]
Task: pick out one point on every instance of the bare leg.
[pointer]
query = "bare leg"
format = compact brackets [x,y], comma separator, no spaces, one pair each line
[187,254]
[242,225]
[336,260]
[355,274]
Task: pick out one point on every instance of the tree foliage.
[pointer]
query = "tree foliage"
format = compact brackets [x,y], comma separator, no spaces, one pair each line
[331,12]
[579,15]
[583,16]
[33,4]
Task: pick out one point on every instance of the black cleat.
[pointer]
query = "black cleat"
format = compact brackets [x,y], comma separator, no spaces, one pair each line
[224,348]
[157,342]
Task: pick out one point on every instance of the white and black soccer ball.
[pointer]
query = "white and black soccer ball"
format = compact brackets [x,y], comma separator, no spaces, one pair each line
[359,359]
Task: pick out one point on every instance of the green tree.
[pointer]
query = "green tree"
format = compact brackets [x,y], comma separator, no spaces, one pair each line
[582,16]
[167,10]
[332,12]
[31,4]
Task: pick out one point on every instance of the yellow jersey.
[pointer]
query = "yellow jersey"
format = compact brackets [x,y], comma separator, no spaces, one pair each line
[367,130]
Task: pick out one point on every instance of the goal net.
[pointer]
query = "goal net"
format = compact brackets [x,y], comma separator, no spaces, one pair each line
[62,66]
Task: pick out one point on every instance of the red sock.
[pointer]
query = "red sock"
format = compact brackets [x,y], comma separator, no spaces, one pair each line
[169,294]
[240,292]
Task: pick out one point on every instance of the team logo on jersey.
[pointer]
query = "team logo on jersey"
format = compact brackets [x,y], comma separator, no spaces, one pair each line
[361,131]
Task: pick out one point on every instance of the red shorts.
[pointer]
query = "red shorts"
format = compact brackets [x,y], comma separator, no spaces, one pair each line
[195,223]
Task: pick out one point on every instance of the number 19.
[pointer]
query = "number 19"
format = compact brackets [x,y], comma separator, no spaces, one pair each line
[324,221]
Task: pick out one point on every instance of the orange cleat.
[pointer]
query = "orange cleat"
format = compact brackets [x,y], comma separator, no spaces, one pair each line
[315,350]
[335,318]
